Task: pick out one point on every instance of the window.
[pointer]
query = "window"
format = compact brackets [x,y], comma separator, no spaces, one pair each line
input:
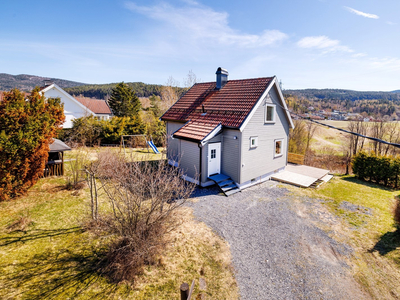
[270,113]
[213,153]
[253,142]
[278,148]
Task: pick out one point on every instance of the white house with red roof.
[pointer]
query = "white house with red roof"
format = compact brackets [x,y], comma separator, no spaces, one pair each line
[77,107]
[230,132]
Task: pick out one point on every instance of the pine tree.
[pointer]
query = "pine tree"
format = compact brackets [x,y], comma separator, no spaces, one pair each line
[124,102]
[27,127]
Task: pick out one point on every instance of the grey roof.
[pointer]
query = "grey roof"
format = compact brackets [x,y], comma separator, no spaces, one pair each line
[58,146]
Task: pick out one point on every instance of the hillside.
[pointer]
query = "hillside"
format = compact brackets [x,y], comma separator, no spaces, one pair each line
[339,94]
[28,82]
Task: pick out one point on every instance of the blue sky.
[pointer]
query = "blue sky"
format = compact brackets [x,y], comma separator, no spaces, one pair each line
[306,44]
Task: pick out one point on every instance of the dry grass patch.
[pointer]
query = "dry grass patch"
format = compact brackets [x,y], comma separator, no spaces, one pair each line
[53,257]
[369,228]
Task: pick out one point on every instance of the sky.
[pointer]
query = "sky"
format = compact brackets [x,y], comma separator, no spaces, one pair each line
[352,44]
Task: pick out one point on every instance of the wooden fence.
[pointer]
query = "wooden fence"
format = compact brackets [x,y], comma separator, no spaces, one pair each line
[296,158]
[54,169]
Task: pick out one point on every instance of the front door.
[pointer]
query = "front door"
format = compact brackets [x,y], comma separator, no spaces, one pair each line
[214,158]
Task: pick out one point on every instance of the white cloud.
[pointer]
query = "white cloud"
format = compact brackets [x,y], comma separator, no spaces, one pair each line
[360,13]
[324,43]
[359,55]
[391,23]
[200,24]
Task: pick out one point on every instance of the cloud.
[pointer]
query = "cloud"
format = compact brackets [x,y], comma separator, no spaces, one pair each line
[324,43]
[391,23]
[360,13]
[200,24]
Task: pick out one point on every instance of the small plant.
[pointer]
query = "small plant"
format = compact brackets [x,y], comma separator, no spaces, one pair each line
[75,179]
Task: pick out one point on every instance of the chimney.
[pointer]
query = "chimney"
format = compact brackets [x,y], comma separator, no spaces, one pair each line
[222,77]
[48,82]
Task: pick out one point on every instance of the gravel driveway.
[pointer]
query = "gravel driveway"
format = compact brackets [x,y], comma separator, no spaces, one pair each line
[278,247]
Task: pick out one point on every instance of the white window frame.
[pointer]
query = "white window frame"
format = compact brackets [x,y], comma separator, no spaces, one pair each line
[267,105]
[275,142]
[255,139]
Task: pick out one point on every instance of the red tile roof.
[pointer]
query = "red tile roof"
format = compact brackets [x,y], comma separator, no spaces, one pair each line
[230,105]
[196,130]
[95,105]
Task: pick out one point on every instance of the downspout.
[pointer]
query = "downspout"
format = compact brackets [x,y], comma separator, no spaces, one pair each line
[201,160]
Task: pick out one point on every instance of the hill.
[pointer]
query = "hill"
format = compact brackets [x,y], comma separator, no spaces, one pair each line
[339,94]
[26,82]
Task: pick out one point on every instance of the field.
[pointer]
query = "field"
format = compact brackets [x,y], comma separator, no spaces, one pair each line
[46,252]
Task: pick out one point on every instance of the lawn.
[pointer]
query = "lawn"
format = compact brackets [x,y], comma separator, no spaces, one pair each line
[45,252]
[369,229]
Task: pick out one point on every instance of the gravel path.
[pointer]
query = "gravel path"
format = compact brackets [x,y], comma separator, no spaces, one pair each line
[278,248]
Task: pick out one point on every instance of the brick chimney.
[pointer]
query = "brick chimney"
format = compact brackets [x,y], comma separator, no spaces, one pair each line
[222,77]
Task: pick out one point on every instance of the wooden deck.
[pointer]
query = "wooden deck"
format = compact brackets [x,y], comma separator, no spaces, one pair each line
[303,176]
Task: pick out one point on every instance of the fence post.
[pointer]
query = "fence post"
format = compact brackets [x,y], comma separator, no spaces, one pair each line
[184,291]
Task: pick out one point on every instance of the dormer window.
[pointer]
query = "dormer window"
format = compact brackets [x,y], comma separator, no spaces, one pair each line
[269,113]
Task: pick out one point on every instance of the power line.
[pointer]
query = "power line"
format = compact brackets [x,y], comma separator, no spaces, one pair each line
[344,130]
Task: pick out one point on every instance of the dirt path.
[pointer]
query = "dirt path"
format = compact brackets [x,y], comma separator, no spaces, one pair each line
[278,247]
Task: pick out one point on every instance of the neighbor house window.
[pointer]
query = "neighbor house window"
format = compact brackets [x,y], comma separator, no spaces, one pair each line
[270,113]
[253,142]
[278,147]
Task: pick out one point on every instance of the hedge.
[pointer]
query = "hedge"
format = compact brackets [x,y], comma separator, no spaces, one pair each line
[382,170]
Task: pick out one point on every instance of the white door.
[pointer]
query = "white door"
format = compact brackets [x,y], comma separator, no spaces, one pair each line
[214,158]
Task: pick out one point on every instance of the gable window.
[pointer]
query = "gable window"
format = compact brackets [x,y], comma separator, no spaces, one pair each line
[269,113]
[253,142]
[278,148]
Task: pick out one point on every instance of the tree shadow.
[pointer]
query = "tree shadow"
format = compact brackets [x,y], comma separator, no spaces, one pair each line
[76,270]
[31,235]
[388,242]
[354,179]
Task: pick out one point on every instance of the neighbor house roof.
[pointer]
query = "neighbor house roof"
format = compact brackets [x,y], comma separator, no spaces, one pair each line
[95,105]
[230,105]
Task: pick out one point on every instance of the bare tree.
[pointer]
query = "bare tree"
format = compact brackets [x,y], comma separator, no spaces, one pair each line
[377,131]
[297,137]
[168,94]
[190,79]
[310,131]
[144,197]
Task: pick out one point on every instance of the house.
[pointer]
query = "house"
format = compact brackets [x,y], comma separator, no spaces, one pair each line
[235,128]
[77,107]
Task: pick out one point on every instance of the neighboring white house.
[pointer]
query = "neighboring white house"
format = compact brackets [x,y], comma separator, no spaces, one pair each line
[77,107]
[231,130]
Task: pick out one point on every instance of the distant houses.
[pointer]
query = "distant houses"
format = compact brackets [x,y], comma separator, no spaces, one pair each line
[77,107]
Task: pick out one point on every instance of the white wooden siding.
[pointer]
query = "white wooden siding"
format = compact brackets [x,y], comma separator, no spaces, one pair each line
[261,160]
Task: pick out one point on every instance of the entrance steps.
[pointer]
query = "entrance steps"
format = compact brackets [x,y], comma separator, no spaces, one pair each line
[225,183]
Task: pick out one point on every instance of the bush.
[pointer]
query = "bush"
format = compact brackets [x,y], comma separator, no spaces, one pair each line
[379,169]
[144,197]
[396,212]
[27,127]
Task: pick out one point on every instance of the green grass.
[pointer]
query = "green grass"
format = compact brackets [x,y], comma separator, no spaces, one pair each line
[46,254]
[376,260]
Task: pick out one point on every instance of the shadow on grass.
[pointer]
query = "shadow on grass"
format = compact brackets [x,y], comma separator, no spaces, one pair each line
[388,242]
[72,272]
[354,179]
[31,235]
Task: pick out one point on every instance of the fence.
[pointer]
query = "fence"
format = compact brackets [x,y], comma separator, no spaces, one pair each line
[296,158]
[54,169]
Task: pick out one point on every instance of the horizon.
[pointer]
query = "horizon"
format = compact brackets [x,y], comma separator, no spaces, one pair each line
[315,44]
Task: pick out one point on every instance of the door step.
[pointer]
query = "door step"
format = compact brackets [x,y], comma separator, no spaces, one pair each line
[225,183]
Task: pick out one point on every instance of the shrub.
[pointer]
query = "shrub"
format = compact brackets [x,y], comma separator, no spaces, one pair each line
[27,127]
[396,212]
[144,197]
[379,169]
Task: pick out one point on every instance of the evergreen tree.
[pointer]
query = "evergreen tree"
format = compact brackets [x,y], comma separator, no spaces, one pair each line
[124,102]
[27,127]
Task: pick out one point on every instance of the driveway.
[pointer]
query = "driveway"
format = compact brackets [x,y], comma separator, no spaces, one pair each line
[281,243]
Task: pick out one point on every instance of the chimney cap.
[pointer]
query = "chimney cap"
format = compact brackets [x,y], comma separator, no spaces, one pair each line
[48,82]
[222,71]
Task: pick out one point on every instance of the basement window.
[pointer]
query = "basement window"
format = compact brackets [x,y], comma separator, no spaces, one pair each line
[269,113]
[278,147]
[253,142]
